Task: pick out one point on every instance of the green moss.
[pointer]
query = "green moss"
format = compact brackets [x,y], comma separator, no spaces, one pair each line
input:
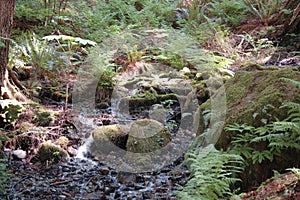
[62,141]
[147,135]
[10,111]
[43,118]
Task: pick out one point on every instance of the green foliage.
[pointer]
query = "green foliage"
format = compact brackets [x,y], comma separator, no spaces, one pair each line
[71,49]
[272,137]
[99,20]
[43,16]
[40,9]
[133,54]
[296,171]
[35,53]
[51,55]
[258,48]
[99,67]
[230,12]
[264,9]
[172,59]
[213,173]
[4,177]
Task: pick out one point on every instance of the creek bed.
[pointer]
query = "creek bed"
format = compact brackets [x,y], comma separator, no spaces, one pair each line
[86,179]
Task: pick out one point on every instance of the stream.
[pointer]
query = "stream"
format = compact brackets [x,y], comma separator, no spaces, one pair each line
[87,177]
[84,177]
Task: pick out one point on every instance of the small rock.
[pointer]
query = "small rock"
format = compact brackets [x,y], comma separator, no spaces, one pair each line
[72,151]
[19,154]
[62,196]
[104,170]
[185,70]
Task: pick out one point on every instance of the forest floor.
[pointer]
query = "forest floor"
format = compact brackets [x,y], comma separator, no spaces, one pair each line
[86,178]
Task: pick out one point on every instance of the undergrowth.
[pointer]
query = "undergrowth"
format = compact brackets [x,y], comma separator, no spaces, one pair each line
[4,177]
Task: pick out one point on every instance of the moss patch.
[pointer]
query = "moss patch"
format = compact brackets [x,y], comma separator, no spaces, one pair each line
[43,118]
[9,112]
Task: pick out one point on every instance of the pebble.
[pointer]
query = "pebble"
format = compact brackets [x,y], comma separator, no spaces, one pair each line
[19,154]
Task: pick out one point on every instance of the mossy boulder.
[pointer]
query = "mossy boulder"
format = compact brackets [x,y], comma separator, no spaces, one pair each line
[147,135]
[107,138]
[255,98]
[141,136]
[50,152]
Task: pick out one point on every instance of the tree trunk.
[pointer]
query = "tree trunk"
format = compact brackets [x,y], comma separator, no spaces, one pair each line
[7,90]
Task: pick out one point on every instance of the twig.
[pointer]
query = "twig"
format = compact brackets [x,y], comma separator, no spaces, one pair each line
[67,194]
[67,97]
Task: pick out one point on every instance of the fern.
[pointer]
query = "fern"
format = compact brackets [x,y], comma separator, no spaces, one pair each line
[296,171]
[213,172]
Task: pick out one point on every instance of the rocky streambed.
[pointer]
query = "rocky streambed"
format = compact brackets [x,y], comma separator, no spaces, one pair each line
[85,179]
[74,178]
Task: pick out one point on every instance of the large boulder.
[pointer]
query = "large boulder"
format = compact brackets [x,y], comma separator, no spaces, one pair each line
[255,98]
[147,135]
[107,138]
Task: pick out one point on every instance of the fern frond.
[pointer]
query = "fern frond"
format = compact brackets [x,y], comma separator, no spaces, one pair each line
[292,106]
[285,126]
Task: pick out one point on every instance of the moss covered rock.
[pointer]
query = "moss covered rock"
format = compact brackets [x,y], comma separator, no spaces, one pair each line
[147,135]
[50,152]
[255,98]
[10,111]
[106,138]
[62,141]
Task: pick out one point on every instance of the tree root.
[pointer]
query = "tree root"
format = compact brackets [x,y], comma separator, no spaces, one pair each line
[10,91]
